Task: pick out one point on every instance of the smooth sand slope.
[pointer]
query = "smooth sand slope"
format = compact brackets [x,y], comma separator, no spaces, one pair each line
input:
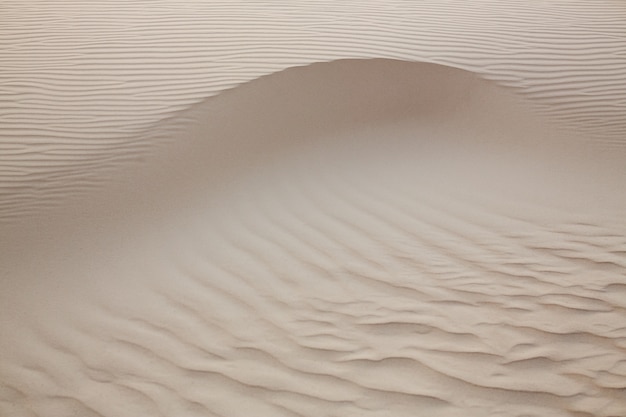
[356,238]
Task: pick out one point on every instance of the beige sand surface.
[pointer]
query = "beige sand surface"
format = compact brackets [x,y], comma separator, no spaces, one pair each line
[354,238]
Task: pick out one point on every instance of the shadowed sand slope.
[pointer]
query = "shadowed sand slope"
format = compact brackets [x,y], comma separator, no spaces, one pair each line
[81,80]
[358,238]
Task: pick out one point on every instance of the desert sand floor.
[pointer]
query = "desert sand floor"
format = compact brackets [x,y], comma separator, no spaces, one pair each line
[362,237]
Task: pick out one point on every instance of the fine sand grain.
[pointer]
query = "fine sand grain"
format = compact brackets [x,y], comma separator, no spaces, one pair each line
[361,237]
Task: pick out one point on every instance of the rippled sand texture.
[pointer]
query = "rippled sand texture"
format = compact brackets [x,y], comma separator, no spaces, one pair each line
[79,80]
[354,238]
[374,238]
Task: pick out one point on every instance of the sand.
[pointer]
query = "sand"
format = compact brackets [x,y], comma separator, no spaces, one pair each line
[361,237]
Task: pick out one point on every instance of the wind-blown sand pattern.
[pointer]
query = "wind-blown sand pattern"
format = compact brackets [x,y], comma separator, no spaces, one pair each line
[361,237]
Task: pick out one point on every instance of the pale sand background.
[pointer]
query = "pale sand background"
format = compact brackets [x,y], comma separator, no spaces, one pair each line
[355,238]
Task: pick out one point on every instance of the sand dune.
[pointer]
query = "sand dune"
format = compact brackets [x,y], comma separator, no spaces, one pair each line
[81,81]
[363,237]
[403,208]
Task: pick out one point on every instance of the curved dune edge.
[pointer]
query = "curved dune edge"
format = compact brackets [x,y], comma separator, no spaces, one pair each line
[81,81]
[374,238]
